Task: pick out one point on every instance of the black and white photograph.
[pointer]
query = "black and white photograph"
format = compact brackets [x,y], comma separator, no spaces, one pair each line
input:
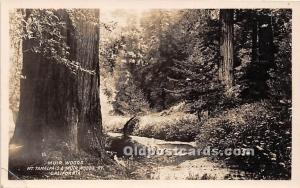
[149,94]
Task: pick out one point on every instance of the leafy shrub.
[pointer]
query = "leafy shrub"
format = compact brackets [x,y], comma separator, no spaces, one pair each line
[182,127]
[177,126]
[114,123]
[257,126]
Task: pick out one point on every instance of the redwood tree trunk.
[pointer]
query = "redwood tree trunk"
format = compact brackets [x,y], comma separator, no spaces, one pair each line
[226,48]
[59,110]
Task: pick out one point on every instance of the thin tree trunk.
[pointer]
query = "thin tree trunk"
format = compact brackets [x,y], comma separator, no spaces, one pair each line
[265,39]
[226,47]
[262,55]
[254,38]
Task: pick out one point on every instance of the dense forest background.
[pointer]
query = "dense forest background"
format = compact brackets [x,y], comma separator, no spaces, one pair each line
[159,58]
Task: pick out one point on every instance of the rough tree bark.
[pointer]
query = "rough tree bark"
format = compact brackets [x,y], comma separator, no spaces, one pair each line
[226,48]
[59,110]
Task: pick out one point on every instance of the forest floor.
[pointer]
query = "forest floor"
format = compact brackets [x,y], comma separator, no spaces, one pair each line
[170,167]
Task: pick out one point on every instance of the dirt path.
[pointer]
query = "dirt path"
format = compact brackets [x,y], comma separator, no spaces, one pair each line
[177,167]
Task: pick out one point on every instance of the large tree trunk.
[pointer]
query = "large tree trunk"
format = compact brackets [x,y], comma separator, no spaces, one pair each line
[59,110]
[226,48]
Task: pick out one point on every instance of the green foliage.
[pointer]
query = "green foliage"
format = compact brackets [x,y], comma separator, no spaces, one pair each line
[258,126]
[280,82]
[173,55]
[44,28]
[172,128]
[129,99]
[164,44]
[122,58]
[47,31]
